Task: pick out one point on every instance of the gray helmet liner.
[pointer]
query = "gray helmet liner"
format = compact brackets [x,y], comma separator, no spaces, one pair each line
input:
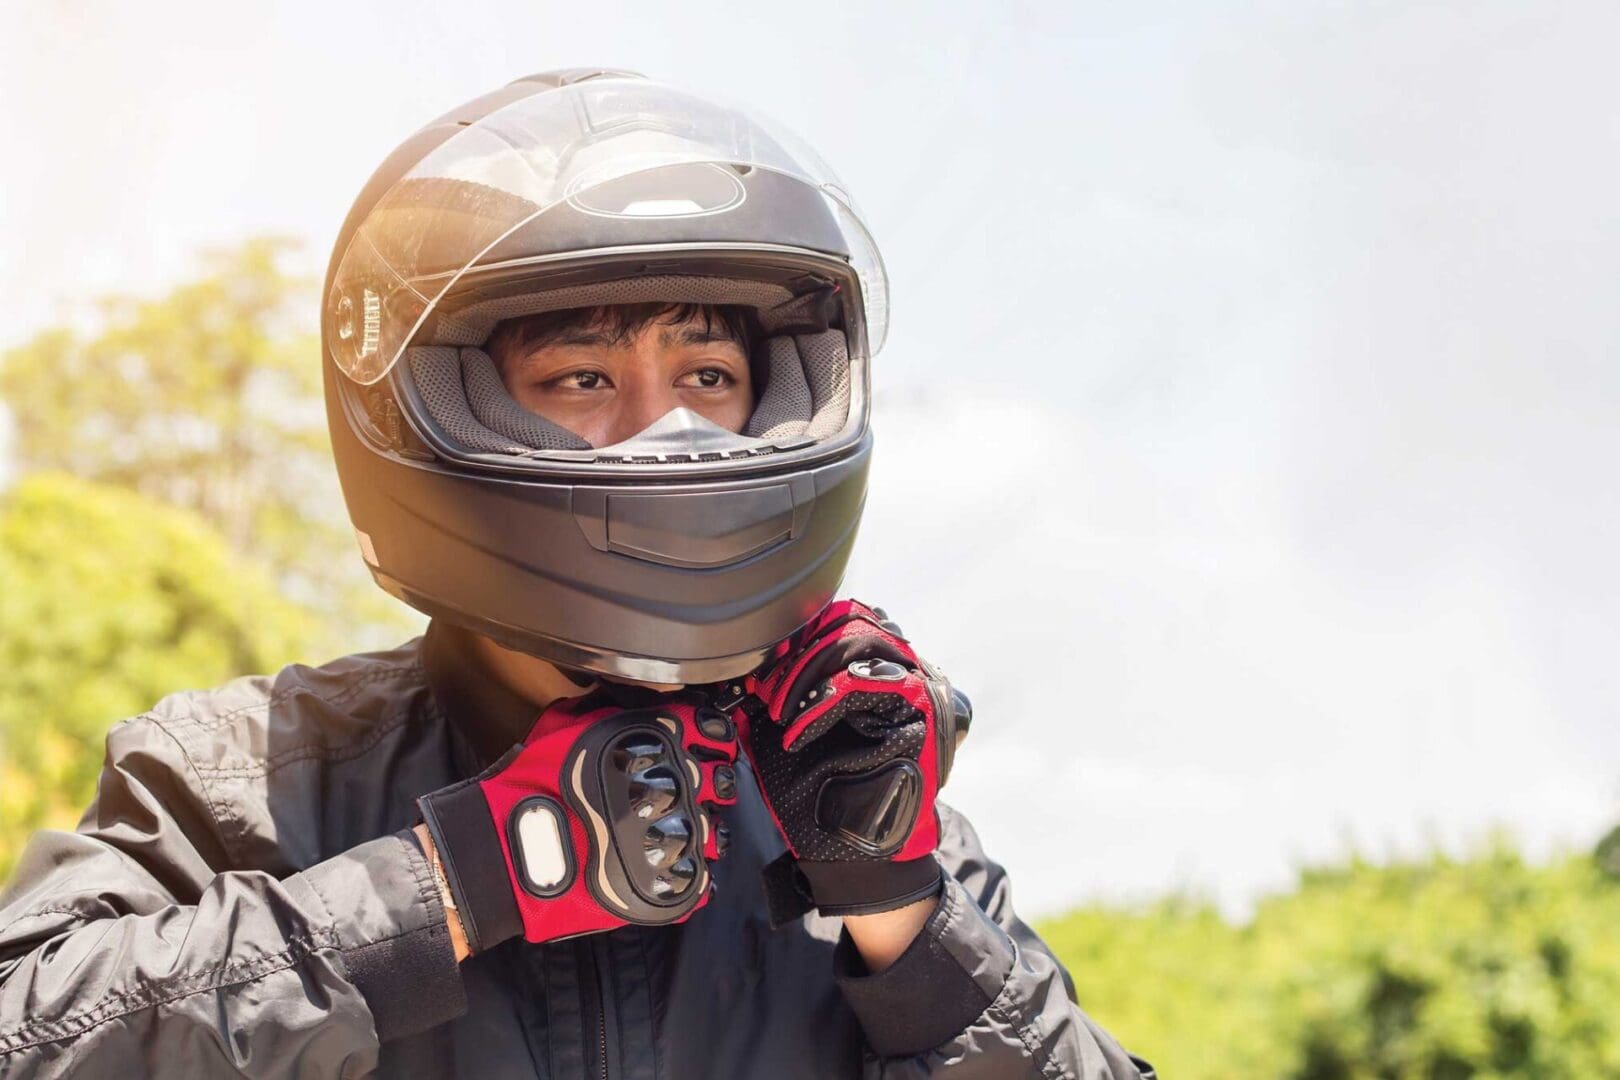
[451,380]
[807,390]
[473,324]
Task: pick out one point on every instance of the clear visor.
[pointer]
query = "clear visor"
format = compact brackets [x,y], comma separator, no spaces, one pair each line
[583,145]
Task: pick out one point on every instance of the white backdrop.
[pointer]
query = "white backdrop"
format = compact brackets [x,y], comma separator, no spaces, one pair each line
[1248,423]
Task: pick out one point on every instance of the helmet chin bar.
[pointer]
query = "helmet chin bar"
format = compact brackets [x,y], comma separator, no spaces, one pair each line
[585,658]
[647,669]
[640,669]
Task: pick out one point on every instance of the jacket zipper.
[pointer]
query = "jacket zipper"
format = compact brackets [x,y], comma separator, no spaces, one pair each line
[596,994]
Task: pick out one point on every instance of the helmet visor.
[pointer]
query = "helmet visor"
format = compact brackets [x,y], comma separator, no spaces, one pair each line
[594,146]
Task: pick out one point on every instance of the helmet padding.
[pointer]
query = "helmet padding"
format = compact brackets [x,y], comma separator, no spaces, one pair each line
[473,324]
[465,396]
[807,388]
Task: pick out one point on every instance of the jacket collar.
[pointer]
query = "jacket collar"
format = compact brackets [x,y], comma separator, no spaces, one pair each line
[491,717]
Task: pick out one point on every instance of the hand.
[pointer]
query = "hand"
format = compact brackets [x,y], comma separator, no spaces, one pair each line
[602,816]
[852,735]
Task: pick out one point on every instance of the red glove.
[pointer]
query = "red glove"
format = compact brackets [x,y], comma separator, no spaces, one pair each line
[602,816]
[852,735]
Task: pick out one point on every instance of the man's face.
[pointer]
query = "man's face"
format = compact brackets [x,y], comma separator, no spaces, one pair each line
[605,387]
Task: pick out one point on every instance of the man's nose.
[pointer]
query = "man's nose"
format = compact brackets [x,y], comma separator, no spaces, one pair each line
[641,402]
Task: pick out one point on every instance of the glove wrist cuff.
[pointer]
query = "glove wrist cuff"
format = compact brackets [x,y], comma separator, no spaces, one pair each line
[867,888]
[469,849]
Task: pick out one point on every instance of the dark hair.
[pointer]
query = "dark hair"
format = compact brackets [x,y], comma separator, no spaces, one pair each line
[522,335]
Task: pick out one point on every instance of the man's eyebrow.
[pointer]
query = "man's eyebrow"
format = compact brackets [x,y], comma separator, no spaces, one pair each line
[580,336]
[693,333]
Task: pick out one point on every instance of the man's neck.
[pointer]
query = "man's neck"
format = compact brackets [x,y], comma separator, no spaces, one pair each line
[536,681]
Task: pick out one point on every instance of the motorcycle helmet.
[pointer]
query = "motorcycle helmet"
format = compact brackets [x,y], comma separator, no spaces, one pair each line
[686,552]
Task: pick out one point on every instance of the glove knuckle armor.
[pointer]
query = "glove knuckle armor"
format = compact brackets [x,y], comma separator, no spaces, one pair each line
[635,788]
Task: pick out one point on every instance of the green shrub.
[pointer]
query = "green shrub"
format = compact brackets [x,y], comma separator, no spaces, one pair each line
[1479,968]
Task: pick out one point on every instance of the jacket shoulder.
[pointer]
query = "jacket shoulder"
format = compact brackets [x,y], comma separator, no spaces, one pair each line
[299,708]
[273,754]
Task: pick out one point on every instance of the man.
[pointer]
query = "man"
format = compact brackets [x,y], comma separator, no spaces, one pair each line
[644,801]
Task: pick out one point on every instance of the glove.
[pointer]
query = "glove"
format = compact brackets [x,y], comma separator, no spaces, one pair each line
[602,816]
[851,734]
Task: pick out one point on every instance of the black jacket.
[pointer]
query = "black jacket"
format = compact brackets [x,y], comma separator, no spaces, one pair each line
[244,894]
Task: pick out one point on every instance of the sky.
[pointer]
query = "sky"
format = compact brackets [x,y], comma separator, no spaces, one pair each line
[1247,425]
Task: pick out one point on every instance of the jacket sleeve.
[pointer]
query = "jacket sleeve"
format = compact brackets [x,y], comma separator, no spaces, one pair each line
[129,942]
[977,994]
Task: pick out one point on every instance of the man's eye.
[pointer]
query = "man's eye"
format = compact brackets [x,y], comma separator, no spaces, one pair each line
[578,380]
[709,378]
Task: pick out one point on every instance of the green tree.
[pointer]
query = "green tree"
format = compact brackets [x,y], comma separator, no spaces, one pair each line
[108,601]
[207,398]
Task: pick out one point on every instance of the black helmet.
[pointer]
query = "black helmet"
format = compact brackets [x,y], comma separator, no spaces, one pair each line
[686,552]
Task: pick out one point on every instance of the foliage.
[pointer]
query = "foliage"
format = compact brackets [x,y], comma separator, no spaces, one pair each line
[1432,970]
[208,398]
[108,601]
[203,538]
